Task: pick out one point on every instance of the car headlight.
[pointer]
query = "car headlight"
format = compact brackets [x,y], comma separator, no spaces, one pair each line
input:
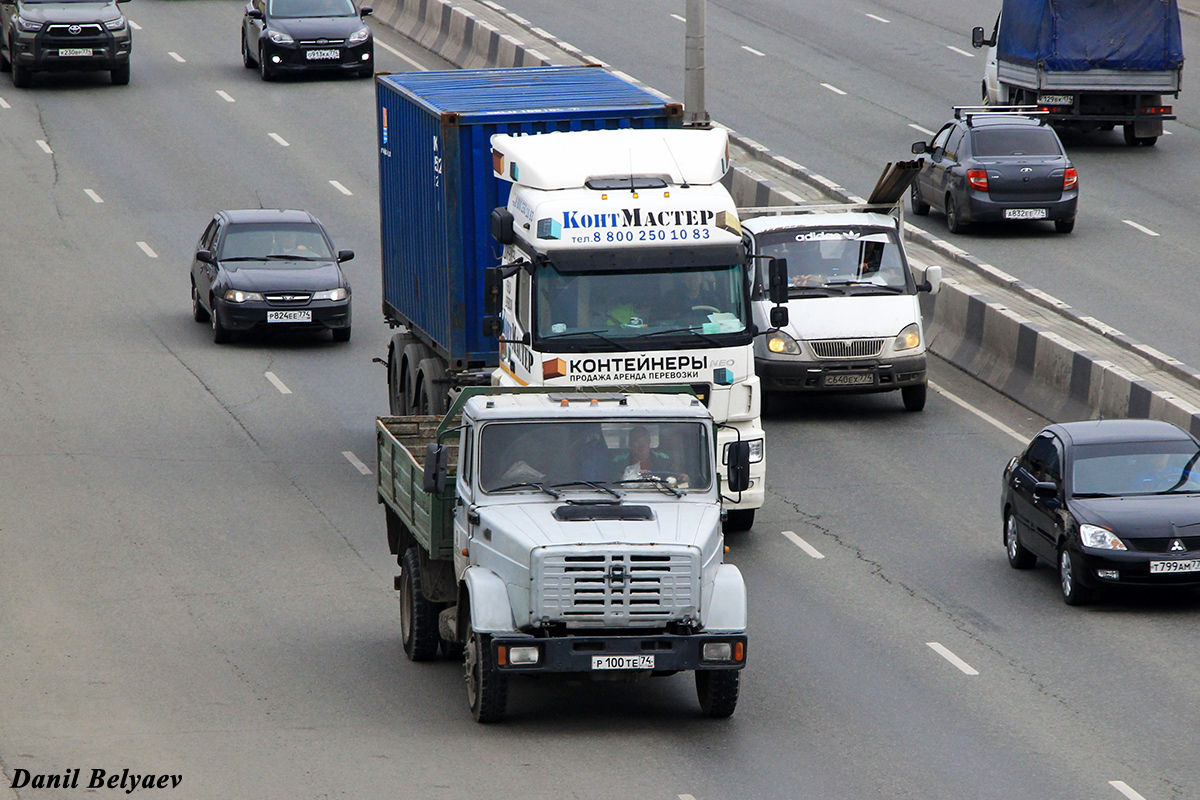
[1101,538]
[115,24]
[909,338]
[756,451]
[780,342]
[331,294]
[360,35]
[238,296]
[279,37]
[29,25]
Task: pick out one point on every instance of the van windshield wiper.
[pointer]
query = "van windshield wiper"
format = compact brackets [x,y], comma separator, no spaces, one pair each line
[600,487]
[527,485]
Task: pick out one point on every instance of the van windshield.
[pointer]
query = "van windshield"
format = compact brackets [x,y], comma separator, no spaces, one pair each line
[837,257]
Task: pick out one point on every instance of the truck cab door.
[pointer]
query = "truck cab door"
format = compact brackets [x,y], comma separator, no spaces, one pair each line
[466,517]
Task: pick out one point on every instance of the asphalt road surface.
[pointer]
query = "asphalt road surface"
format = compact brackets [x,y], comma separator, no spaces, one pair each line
[194,578]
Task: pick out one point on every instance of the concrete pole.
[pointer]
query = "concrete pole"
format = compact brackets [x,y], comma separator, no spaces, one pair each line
[694,112]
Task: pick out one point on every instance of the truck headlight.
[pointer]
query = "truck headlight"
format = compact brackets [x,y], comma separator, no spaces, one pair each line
[360,35]
[331,294]
[238,296]
[723,651]
[909,338]
[523,655]
[756,451]
[1101,538]
[780,342]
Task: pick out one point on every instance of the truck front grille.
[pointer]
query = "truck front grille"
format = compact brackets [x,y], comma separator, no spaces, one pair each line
[630,587]
[847,348]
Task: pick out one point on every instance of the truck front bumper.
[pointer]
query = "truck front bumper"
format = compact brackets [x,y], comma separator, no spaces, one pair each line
[613,654]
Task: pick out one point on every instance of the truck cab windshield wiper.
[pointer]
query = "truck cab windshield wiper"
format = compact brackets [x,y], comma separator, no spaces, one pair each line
[527,484]
[706,337]
[600,487]
[598,334]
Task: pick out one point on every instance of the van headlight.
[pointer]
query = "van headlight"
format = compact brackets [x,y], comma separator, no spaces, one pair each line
[909,338]
[780,342]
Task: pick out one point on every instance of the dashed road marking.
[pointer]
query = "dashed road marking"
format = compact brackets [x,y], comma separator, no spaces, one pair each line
[95,197]
[224,95]
[752,51]
[400,55]
[278,384]
[832,88]
[983,415]
[45,147]
[878,18]
[147,249]
[945,653]
[803,545]
[177,57]
[356,463]
[959,51]
[282,142]
[4,103]
[134,25]
[681,19]
[341,188]
[1125,789]
[919,129]
[1137,227]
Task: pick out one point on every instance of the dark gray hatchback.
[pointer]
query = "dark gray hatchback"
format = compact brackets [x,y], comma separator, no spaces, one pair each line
[995,164]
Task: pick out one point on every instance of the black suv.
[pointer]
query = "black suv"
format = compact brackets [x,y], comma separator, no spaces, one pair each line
[45,35]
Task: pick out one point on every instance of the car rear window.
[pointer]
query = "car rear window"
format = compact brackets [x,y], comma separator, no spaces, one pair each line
[1016,142]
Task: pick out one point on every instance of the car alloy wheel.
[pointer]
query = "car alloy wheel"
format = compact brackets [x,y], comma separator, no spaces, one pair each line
[1018,556]
[1074,593]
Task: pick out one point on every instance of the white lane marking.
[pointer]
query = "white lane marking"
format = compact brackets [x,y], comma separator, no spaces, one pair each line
[224,95]
[95,197]
[356,463]
[685,797]
[4,103]
[134,25]
[832,88]
[953,659]
[803,545]
[340,188]
[45,147]
[919,129]
[1125,789]
[1165,131]
[878,18]
[283,142]
[147,249]
[681,19]
[278,384]
[960,52]
[1141,228]
[983,415]
[400,55]
[752,51]
[177,57]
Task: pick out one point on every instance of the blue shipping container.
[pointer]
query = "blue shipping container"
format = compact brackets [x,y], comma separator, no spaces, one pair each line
[437,190]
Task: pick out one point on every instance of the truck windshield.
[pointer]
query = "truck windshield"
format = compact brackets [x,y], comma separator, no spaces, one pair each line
[845,259]
[637,454]
[628,305]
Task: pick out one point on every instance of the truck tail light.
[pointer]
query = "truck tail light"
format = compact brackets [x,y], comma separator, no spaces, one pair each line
[1155,111]
[977,179]
[1070,178]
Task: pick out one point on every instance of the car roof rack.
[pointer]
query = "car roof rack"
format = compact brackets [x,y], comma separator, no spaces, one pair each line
[967,112]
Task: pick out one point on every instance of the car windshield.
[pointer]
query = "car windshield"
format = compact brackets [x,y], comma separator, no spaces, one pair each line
[1028,141]
[836,257]
[580,456]
[311,8]
[1130,468]
[282,241]
[627,305]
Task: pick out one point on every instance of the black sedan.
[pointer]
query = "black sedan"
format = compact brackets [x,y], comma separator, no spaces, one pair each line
[306,35]
[1110,502]
[994,164]
[269,268]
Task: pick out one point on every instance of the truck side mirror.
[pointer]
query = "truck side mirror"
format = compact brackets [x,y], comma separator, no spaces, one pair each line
[933,280]
[436,456]
[977,37]
[492,327]
[920,148]
[738,458]
[502,226]
[777,280]
[493,289]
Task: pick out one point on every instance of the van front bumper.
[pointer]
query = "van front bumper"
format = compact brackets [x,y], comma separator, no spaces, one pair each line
[779,375]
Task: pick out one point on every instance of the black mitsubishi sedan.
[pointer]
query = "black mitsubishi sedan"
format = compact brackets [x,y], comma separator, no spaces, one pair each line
[269,268]
[996,164]
[1110,502]
[281,36]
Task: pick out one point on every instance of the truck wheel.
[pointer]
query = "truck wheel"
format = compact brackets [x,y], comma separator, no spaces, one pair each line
[21,76]
[418,616]
[431,395]
[487,687]
[738,520]
[914,396]
[1133,140]
[919,206]
[717,690]
[1148,141]
[120,75]
[414,353]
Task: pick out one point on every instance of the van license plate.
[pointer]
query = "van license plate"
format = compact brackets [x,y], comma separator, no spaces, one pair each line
[850,379]
[68,52]
[622,662]
[317,55]
[1189,565]
[1055,99]
[1024,213]
[289,316]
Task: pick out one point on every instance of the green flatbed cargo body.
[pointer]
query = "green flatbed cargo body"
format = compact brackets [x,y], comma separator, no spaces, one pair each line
[400,453]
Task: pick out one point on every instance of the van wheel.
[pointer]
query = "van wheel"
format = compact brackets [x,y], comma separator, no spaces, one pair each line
[418,616]
[914,396]
[717,690]
[738,520]
[487,686]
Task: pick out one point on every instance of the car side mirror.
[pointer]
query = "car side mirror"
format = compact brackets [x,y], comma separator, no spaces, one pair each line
[1045,490]
[738,466]
[254,13]
[933,280]
[436,457]
[366,11]
[206,256]
[920,148]
[345,255]
[977,39]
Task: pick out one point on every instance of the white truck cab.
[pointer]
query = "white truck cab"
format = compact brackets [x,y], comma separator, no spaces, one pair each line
[854,317]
